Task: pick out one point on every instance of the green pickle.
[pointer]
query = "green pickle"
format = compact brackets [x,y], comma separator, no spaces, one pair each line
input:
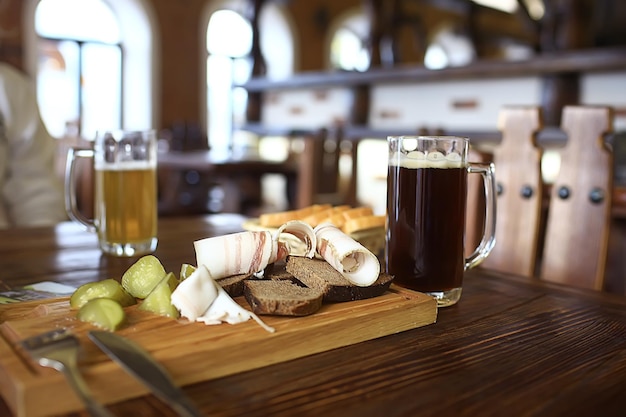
[159,301]
[105,313]
[143,276]
[186,270]
[108,288]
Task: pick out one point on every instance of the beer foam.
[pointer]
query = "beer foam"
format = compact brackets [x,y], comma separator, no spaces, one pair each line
[419,159]
[125,166]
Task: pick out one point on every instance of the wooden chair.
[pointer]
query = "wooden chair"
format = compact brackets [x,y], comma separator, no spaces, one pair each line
[317,163]
[579,217]
[185,136]
[319,178]
[520,190]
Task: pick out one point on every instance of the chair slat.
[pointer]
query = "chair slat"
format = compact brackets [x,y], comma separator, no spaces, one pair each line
[577,231]
[518,176]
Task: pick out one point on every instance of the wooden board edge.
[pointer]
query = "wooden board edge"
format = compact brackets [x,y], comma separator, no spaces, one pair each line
[364,328]
[10,393]
[397,306]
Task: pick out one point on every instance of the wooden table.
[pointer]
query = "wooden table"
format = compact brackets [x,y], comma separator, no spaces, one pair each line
[510,347]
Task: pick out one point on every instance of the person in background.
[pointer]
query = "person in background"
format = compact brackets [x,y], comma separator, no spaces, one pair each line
[31,193]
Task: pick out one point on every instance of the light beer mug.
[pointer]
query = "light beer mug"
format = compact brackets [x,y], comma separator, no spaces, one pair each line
[125,198]
[426,204]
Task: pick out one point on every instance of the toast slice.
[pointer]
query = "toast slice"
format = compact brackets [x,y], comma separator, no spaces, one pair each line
[319,274]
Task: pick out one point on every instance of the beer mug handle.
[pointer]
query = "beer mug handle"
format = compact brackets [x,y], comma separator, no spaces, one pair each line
[489,234]
[71,207]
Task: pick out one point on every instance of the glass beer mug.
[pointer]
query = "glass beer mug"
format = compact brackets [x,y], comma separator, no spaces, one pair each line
[125,198]
[426,204]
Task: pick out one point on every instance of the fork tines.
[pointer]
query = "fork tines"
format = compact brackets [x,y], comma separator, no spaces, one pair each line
[45,339]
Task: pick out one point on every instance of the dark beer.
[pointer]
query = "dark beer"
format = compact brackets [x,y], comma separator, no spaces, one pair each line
[426,217]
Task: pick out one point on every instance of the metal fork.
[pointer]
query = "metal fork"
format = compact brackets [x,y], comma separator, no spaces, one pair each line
[58,349]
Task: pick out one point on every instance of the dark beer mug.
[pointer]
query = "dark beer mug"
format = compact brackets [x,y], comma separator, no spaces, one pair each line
[426,203]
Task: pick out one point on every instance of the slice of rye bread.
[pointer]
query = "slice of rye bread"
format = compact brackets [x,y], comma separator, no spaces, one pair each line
[233,284]
[317,273]
[278,271]
[282,298]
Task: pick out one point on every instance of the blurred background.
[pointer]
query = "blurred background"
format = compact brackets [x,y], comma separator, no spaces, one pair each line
[256,78]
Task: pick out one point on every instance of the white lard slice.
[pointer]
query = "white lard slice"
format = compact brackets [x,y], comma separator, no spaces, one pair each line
[200,298]
[238,253]
[305,235]
[193,296]
[353,260]
[250,252]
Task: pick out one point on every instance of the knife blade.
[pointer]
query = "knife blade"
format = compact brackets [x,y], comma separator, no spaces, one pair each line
[139,363]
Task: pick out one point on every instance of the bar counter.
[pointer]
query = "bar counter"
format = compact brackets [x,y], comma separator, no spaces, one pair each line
[511,347]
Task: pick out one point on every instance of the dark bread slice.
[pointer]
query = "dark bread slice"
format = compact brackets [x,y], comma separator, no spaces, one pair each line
[233,284]
[282,298]
[277,271]
[319,274]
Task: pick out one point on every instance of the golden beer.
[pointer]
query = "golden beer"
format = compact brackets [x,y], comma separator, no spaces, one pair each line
[125,198]
[125,206]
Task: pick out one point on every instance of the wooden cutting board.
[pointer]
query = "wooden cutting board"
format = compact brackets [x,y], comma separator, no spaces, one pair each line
[191,352]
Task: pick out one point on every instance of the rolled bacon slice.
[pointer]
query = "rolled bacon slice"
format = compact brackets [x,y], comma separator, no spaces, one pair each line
[238,253]
[250,252]
[305,235]
[353,260]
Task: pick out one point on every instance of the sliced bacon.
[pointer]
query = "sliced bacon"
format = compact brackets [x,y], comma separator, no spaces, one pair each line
[238,253]
[250,252]
[353,260]
[305,235]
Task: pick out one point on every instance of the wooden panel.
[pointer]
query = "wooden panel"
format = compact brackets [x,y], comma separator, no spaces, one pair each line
[518,175]
[180,346]
[577,231]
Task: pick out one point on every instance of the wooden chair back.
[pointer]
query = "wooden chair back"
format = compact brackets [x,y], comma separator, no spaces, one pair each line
[519,182]
[579,217]
[320,179]
[185,136]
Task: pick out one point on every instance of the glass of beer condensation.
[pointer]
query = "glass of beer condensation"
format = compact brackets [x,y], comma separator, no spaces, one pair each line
[426,203]
[125,198]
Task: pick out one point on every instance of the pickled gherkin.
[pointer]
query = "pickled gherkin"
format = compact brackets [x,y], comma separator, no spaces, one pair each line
[105,313]
[145,282]
[186,270]
[108,288]
[159,301]
[143,276]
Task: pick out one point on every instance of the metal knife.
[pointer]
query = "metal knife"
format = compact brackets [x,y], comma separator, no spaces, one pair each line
[136,361]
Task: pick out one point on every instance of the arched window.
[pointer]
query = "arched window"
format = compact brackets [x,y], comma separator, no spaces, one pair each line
[84,55]
[79,74]
[228,64]
[348,47]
